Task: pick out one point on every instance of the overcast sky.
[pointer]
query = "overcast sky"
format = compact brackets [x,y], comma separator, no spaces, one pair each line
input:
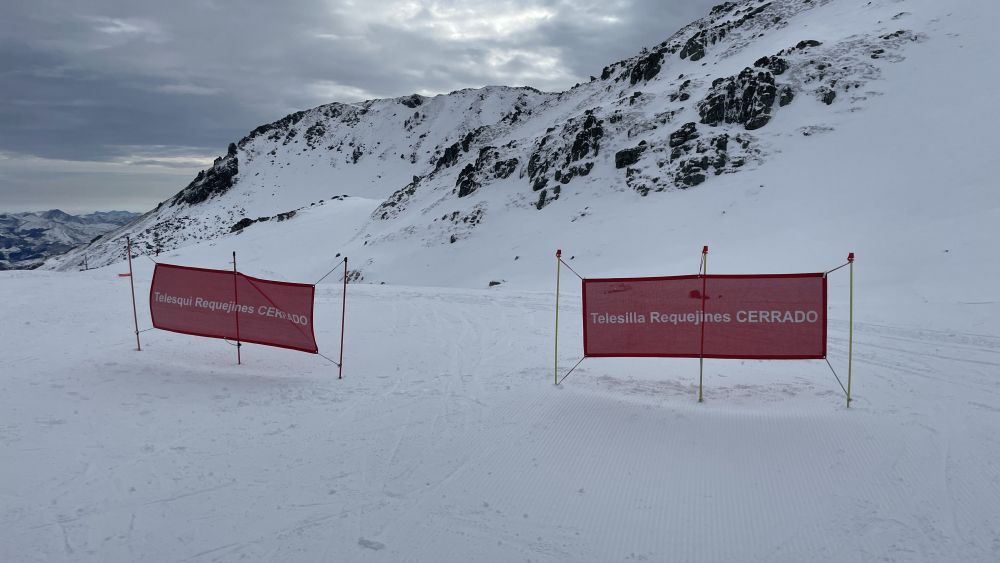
[108,104]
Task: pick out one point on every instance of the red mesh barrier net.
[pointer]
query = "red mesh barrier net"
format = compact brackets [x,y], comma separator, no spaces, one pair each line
[774,316]
[226,304]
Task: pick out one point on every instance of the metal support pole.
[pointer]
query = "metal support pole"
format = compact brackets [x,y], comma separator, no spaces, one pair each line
[555,363]
[236,301]
[704,287]
[343,320]
[850,330]
[131,280]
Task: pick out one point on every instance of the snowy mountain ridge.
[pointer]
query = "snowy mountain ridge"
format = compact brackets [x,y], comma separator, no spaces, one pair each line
[28,239]
[782,133]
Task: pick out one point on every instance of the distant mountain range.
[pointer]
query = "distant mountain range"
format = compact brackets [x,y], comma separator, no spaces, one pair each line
[28,239]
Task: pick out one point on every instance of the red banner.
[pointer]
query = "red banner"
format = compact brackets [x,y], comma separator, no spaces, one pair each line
[227,304]
[766,317]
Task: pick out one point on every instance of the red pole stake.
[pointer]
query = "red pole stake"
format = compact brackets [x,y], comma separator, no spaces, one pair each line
[343,320]
[704,288]
[236,301]
[131,280]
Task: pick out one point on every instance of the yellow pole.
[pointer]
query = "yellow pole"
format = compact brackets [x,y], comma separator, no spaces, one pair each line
[555,363]
[850,330]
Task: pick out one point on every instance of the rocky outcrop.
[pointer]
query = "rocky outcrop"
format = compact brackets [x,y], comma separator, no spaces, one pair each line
[696,158]
[411,101]
[246,221]
[454,151]
[745,99]
[646,68]
[776,65]
[628,157]
[686,160]
[450,156]
[275,130]
[588,139]
[213,182]
[458,224]
[687,132]
[695,46]
[694,49]
[488,166]
[396,203]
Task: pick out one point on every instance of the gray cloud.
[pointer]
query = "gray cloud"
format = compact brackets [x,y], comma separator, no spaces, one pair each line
[151,90]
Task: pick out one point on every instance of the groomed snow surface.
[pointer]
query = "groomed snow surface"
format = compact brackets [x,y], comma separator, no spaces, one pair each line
[447,440]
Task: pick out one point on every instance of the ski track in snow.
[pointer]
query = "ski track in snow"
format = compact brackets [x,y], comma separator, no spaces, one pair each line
[447,441]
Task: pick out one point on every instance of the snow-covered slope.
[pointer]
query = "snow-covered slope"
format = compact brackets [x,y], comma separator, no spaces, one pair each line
[28,239]
[783,134]
[303,160]
[447,441]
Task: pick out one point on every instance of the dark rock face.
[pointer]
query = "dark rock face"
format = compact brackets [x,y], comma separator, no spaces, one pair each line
[314,135]
[450,156]
[459,225]
[246,221]
[504,168]
[776,65]
[542,200]
[686,159]
[722,8]
[802,45]
[687,132]
[785,96]
[466,182]
[695,47]
[827,95]
[682,92]
[488,166]
[564,177]
[538,165]
[412,101]
[455,150]
[471,137]
[276,129]
[630,156]
[215,181]
[242,224]
[646,68]
[696,157]
[575,140]
[396,203]
[588,139]
[746,99]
